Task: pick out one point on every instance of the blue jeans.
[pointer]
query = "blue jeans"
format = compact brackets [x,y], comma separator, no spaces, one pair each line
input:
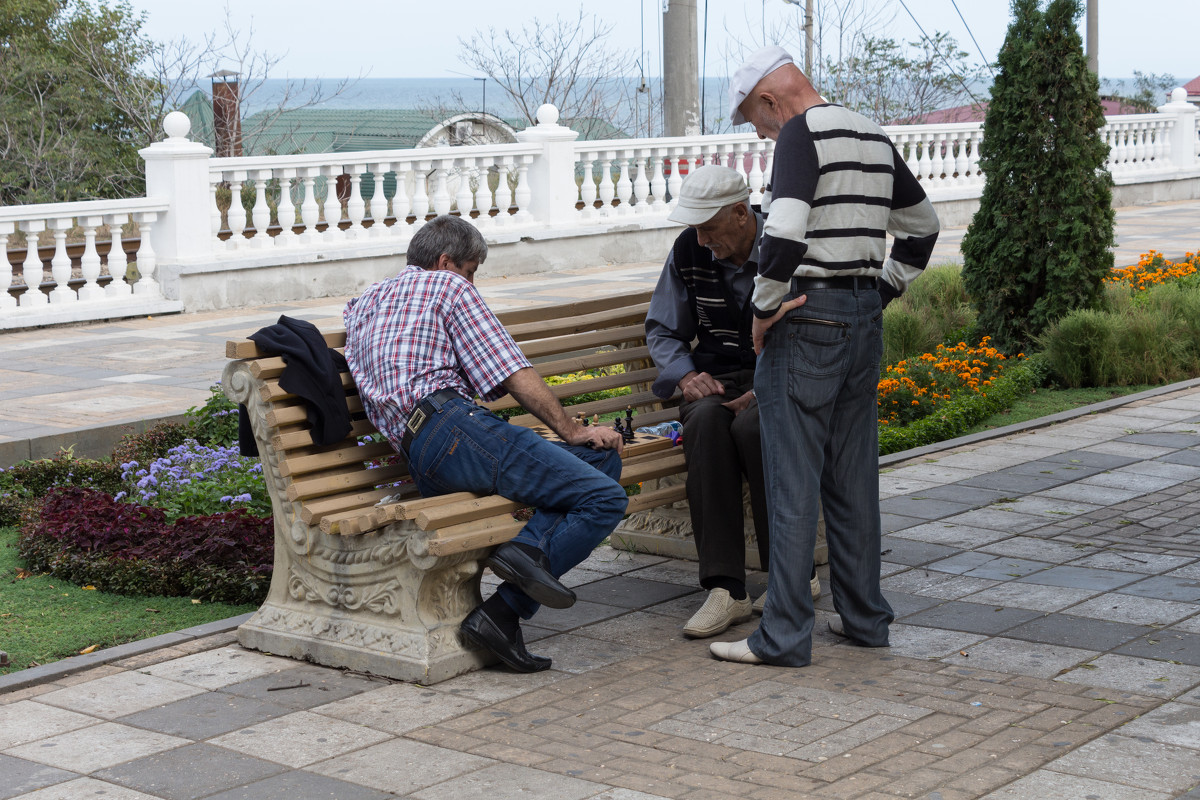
[816,384]
[578,502]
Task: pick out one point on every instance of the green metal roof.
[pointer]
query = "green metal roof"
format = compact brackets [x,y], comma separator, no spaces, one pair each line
[327,130]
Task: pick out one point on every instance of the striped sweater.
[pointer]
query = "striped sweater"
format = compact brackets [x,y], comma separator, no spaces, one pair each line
[838,188]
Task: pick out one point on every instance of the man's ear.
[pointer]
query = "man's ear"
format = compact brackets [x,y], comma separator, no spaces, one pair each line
[444,262]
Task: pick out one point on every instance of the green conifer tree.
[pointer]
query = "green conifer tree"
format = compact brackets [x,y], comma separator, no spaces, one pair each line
[1039,245]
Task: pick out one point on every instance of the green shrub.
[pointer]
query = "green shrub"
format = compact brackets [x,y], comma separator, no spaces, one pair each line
[215,423]
[934,310]
[1081,349]
[150,444]
[28,481]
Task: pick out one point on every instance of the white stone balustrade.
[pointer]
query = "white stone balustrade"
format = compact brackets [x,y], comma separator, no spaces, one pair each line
[218,232]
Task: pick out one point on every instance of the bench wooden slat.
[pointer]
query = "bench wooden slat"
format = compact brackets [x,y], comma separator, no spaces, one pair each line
[520,316]
[313,512]
[603,358]
[244,348]
[471,536]
[605,406]
[656,498]
[272,392]
[666,464]
[346,456]
[557,345]
[441,515]
[292,440]
[294,413]
[597,384]
[560,326]
[357,479]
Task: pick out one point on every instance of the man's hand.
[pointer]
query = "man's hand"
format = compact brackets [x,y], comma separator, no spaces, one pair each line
[761,326]
[597,437]
[740,404]
[695,385]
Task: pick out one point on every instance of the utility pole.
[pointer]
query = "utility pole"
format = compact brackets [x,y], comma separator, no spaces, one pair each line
[808,37]
[681,68]
[1093,35]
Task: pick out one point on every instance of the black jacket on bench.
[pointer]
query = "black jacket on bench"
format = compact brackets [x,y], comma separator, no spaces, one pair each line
[311,374]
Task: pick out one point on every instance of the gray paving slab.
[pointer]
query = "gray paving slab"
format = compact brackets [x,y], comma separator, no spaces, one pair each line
[1176,441]
[1142,676]
[1164,587]
[206,715]
[304,686]
[1001,654]
[971,617]
[189,772]
[1091,458]
[584,612]
[511,780]
[1166,645]
[629,592]
[1081,578]
[1144,764]
[21,776]
[301,786]
[1079,632]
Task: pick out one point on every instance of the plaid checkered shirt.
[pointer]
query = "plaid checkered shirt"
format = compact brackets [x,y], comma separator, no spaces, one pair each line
[421,331]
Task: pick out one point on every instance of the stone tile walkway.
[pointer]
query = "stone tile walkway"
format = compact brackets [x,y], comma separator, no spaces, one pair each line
[1047,645]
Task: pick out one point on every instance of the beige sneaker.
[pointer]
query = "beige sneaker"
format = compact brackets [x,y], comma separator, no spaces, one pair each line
[814,586]
[717,614]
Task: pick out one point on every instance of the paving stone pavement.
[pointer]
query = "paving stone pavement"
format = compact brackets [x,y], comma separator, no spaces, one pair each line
[1047,642]
[1047,645]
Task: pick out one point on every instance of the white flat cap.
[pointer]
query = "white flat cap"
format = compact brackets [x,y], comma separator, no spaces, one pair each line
[706,191]
[759,65]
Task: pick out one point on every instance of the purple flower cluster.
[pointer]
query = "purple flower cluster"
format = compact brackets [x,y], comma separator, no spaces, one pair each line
[193,478]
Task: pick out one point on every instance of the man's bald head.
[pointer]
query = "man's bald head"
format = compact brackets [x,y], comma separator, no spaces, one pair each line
[768,90]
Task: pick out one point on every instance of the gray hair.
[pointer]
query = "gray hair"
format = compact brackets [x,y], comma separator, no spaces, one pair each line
[449,235]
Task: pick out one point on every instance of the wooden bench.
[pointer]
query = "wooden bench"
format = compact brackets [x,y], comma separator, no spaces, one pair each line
[381,587]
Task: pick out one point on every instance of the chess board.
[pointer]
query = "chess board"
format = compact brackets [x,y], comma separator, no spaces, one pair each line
[642,442]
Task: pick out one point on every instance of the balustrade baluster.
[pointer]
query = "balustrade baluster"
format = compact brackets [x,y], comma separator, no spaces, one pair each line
[1116,151]
[60,265]
[356,207]
[523,194]
[402,201]
[641,186]
[607,187]
[441,194]
[237,212]
[925,160]
[754,178]
[421,192]
[587,186]
[89,262]
[624,184]
[377,205]
[973,159]
[118,264]
[332,207]
[464,198]
[504,192]
[1139,152]
[261,213]
[481,194]
[147,260]
[674,180]
[286,209]
[310,210]
[7,229]
[658,181]
[962,164]
[949,144]
[31,269]
[907,144]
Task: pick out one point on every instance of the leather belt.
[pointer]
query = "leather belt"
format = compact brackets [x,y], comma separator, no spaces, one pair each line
[837,282]
[429,405]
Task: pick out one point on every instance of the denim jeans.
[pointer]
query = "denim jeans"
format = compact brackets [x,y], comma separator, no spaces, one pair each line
[816,382]
[578,502]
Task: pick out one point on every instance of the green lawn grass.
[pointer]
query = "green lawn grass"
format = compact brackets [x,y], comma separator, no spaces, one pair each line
[43,619]
[1044,402]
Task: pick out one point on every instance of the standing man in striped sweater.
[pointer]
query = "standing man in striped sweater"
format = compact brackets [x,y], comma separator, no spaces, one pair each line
[838,188]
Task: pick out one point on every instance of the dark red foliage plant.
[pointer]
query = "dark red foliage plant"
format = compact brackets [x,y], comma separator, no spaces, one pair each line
[86,536]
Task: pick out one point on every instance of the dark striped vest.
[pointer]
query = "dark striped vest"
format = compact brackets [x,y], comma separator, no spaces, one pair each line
[724,343]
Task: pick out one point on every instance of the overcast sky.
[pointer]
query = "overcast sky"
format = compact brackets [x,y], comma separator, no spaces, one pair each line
[419,38]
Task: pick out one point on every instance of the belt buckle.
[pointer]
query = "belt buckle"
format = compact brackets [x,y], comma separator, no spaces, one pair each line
[416,420]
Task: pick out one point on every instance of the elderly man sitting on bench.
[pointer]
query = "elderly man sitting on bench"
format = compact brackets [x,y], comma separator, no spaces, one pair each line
[420,346]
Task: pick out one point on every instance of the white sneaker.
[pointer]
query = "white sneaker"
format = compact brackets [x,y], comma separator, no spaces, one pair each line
[814,586]
[738,652]
[717,614]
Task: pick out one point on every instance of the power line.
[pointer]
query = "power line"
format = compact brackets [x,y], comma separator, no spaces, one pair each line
[704,68]
[986,63]
[933,44]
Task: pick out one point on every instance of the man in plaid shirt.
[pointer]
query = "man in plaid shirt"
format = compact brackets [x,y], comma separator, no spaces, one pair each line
[420,346]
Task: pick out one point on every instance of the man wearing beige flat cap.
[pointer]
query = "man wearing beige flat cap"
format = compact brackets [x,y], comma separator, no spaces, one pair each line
[698,330]
[838,188]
